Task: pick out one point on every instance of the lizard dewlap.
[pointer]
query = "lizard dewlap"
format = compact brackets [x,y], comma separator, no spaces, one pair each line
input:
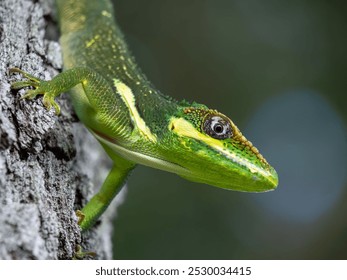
[133,121]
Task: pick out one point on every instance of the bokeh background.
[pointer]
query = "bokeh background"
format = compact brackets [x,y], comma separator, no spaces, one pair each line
[278,69]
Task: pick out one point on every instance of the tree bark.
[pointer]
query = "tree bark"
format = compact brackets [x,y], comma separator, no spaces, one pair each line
[48,164]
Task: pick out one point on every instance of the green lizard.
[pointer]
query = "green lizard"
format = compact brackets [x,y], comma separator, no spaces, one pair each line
[134,122]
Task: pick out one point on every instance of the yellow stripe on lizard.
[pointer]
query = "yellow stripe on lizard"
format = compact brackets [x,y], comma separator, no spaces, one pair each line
[129,99]
[184,128]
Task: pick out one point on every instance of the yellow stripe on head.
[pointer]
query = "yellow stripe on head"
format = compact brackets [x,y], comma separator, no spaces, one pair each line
[184,128]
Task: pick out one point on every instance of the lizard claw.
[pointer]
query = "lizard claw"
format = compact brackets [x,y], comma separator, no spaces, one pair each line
[48,102]
[30,94]
[25,74]
[22,84]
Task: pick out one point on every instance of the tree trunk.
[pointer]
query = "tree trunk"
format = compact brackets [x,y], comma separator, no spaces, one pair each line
[48,164]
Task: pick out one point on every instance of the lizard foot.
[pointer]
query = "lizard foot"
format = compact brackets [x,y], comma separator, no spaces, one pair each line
[40,88]
[80,254]
[80,215]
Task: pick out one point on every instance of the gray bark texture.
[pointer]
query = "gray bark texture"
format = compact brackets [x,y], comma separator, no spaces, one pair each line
[48,164]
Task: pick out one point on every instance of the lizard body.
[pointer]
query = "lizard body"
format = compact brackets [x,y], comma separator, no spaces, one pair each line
[133,121]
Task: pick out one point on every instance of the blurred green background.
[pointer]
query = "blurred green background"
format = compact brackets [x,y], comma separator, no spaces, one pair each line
[278,69]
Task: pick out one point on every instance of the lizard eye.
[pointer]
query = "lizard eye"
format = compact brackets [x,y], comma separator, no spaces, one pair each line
[217,127]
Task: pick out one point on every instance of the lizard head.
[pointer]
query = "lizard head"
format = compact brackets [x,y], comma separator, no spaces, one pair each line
[215,152]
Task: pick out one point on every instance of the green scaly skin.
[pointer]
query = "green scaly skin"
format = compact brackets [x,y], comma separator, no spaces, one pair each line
[134,122]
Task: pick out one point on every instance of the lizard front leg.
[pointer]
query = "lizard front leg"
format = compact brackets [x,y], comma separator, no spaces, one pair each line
[96,99]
